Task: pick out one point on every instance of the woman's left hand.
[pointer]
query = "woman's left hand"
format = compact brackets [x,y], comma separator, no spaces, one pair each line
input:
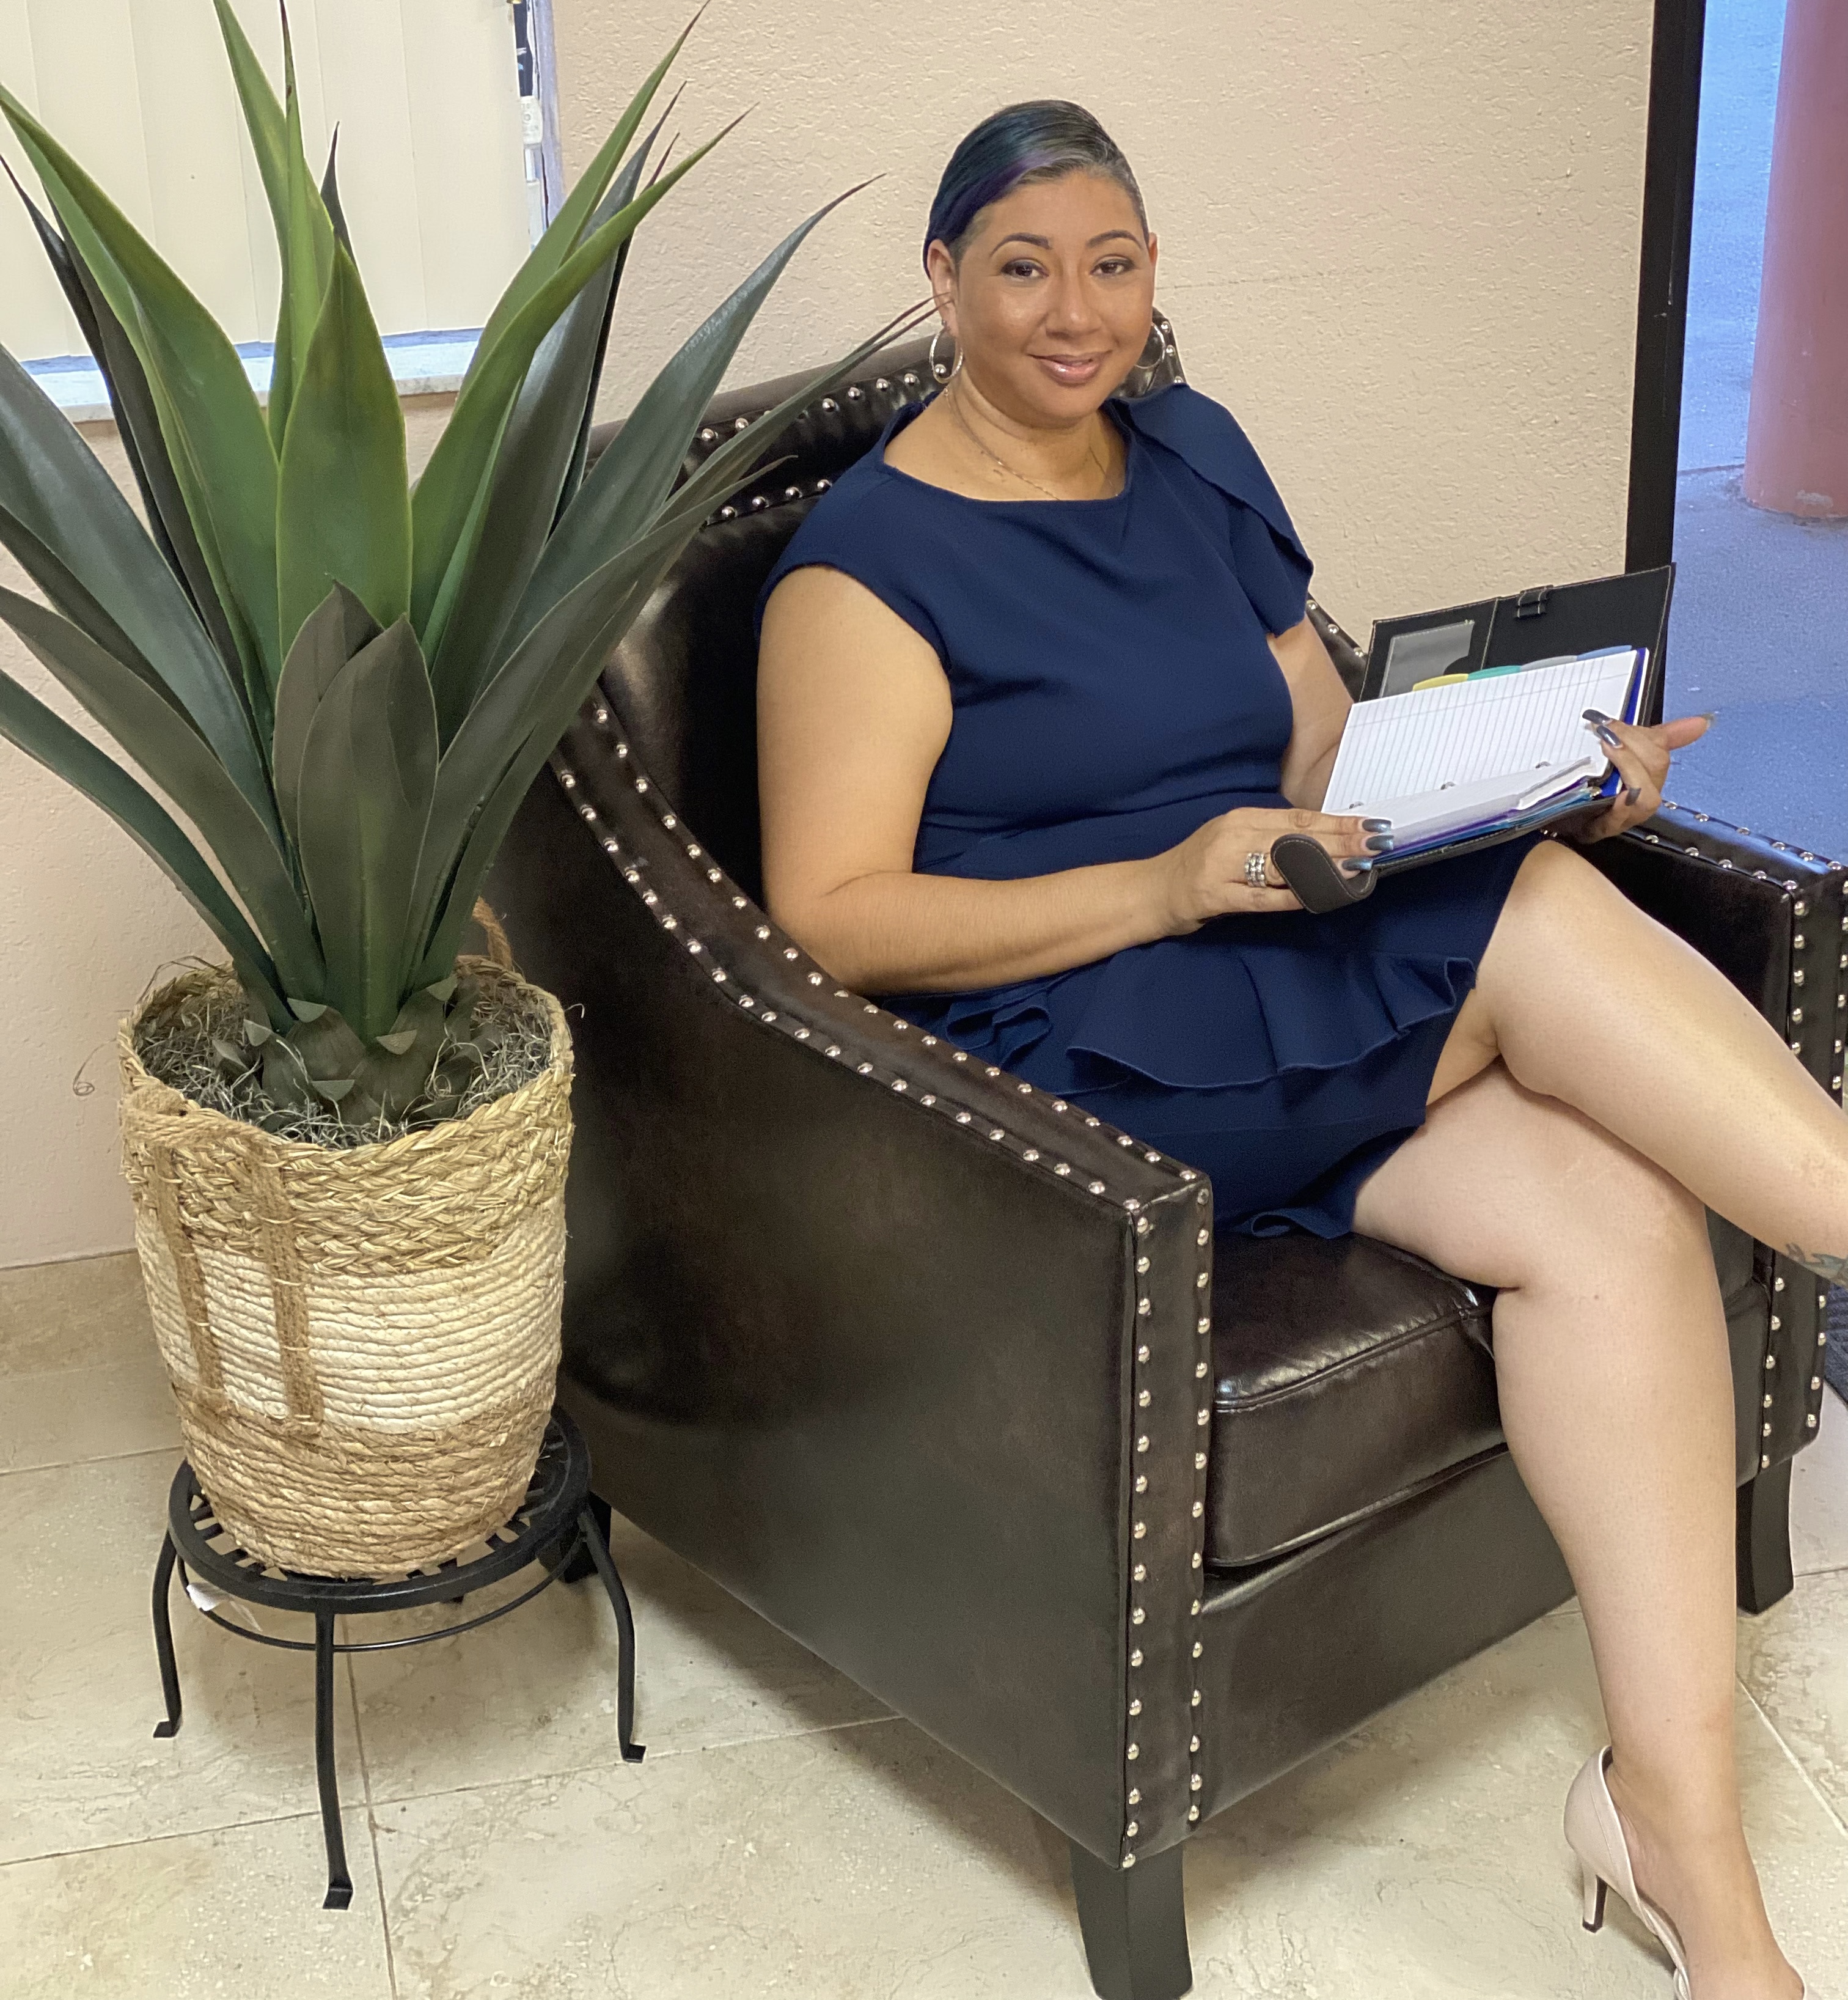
[1642,758]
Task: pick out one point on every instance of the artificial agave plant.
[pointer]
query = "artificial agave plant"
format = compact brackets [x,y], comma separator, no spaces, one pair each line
[345,682]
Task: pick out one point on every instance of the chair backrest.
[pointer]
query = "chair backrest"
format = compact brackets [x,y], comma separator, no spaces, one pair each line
[683,678]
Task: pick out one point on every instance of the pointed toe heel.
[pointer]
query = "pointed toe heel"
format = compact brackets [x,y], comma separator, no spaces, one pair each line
[1595,1834]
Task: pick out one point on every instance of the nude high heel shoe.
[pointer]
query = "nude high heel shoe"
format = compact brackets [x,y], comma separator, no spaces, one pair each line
[1595,1834]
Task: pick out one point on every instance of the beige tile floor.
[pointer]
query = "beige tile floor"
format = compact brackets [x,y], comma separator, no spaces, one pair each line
[786,1835]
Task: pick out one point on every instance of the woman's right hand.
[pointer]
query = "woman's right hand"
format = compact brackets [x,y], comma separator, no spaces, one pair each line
[1204,877]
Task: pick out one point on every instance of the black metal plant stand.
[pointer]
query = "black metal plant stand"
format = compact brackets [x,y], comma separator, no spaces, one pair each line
[558,1524]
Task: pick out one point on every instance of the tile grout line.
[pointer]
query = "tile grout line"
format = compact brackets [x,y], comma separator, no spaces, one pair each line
[658,1755]
[155,1839]
[1796,1762]
[372,1825]
[176,1450]
[788,1736]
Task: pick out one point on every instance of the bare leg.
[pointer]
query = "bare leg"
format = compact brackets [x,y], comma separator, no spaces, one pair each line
[1617,1399]
[1587,999]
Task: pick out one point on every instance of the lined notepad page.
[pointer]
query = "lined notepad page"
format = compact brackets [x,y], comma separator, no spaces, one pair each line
[1502,726]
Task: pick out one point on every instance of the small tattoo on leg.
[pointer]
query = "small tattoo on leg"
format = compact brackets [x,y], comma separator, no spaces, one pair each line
[1825,1265]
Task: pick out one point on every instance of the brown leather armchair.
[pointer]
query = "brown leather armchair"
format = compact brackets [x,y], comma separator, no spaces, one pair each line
[953,1382]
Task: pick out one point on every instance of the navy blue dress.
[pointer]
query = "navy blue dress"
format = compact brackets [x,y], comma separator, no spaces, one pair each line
[1113,690]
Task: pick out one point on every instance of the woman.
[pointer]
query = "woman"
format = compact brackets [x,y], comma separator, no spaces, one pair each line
[1037,691]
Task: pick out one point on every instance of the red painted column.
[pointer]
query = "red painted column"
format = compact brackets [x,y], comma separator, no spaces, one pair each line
[1797,437]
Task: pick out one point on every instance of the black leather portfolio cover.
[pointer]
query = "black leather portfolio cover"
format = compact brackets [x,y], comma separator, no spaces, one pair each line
[1550,621]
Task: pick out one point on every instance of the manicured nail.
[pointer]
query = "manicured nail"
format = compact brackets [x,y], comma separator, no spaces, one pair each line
[1379,843]
[1596,715]
[1355,865]
[1376,826]
[1706,715]
[1606,735]
[1632,795]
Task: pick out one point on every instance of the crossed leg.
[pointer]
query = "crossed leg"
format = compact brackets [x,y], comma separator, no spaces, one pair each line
[1602,1083]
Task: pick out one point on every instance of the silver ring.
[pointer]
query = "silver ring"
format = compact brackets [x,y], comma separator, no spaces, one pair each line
[1256,872]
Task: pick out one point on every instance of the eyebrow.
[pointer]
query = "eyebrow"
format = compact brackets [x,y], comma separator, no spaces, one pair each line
[1046,242]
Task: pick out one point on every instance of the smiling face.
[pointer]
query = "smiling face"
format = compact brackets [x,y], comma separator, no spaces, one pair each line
[1050,305]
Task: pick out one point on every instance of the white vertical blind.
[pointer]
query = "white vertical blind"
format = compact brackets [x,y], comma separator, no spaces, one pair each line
[426,93]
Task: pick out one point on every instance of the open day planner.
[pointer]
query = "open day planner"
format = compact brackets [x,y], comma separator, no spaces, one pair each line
[1484,754]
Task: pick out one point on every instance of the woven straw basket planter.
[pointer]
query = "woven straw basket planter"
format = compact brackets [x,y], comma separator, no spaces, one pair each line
[363,1343]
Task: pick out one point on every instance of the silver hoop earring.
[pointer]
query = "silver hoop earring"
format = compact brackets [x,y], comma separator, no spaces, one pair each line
[938,373]
[1146,362]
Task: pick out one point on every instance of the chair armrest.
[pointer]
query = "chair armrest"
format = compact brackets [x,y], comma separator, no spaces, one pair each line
[1350,659]
[1771,917]
[908,1356]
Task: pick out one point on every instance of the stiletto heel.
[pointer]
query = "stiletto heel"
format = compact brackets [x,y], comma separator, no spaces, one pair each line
[1597,1837]
[1595,1834]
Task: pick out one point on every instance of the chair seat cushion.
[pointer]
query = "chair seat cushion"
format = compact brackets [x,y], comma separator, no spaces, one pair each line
[1347,1374]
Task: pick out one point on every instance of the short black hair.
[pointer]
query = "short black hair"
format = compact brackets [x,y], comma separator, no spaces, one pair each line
[1043,139]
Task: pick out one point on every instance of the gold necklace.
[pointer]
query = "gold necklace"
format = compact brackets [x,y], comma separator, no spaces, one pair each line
[1026,479]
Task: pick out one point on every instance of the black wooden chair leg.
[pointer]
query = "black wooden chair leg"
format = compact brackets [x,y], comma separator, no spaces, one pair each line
[340,1884]
[1135,1926]
[1764,1538]
[163,1636]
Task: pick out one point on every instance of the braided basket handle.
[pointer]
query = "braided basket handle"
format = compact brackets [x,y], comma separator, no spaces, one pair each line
[498,949]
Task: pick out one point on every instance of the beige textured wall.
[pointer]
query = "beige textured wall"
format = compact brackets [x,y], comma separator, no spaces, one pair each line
[86,922]
[1398,237]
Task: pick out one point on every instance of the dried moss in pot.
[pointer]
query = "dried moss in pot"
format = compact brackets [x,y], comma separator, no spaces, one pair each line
[455,1046]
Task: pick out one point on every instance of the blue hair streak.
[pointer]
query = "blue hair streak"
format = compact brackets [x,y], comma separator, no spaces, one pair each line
[1040,141]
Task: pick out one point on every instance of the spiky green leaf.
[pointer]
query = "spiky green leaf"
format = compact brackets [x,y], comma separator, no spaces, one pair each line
[552,670]
[64,519]
[513,727]
[179,760]
[137,427]
[450,500]
[550,674]
[531,468]
[625,488]
[263,115]
[330,197]
[47,738]
[208,415]
[343,496]
[620,193]
[83,310]
[69,595]
[369,768]
[562,235]
[734,462]
[338,627]
[328,1048]
[305,242]
[552,716]
[395,1071]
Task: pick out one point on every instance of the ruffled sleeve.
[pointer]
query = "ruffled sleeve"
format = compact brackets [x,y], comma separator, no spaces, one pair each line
[1272,564]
